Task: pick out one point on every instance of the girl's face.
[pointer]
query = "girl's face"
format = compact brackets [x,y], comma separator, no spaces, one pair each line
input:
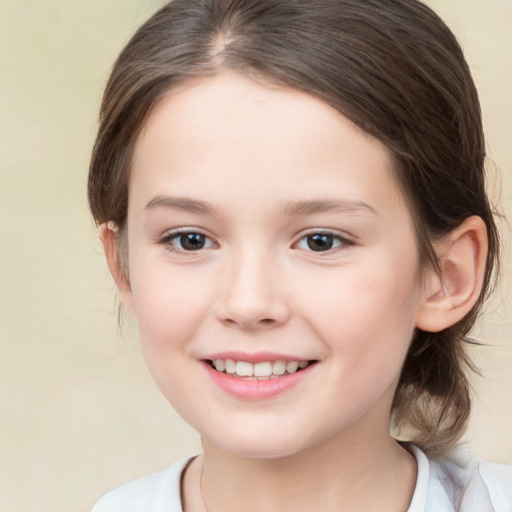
[266,231]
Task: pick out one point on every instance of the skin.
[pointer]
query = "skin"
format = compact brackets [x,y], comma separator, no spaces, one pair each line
[250,151]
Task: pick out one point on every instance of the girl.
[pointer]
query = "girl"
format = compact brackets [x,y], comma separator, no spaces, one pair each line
[292,203]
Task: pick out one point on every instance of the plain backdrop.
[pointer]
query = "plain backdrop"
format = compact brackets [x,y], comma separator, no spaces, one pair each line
[78,412]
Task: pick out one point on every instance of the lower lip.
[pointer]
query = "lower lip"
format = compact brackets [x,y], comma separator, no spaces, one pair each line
[254,389]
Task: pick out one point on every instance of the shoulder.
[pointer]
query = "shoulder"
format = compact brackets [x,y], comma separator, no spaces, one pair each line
[498,480]
[459,482]
[152,493]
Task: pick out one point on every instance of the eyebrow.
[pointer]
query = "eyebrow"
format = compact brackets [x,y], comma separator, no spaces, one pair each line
[181,204]
[310,207]
[291,207]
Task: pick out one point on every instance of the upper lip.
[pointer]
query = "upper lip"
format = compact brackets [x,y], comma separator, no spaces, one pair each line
[256,357]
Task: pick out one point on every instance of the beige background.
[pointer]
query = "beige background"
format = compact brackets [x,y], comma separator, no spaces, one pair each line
[78,412]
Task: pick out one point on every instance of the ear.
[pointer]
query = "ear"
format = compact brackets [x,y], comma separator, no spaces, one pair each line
[108,233]
[450,294]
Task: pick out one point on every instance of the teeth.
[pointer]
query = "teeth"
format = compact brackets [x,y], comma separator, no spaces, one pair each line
[230,366]
[292,366]
[260,371]
[219,365]
[278,367]
[244,369]
[263,369]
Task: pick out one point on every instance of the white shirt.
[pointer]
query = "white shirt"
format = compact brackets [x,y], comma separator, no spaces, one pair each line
[448,484]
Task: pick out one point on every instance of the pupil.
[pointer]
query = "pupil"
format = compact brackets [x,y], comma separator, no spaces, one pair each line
[192,241]
[320,242]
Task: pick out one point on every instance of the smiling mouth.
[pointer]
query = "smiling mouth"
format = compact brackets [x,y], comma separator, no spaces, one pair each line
[266,370]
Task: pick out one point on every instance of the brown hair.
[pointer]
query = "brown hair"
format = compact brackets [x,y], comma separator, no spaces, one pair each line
[394,69]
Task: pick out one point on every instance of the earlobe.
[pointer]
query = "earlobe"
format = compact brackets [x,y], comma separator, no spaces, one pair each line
[451,294]
[108,233]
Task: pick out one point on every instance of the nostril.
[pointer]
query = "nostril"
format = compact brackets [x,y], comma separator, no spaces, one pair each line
[251,315]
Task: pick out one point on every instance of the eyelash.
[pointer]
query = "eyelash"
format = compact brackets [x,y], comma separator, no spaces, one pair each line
[176,235]
[343,241]
[168,239]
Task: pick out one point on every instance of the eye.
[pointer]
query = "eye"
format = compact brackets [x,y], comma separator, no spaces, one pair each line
[187,241]
[322,242]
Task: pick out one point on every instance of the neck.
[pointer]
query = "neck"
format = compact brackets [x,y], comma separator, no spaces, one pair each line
[375,473]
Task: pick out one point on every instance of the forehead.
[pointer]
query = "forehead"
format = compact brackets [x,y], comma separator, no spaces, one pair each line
[246,134]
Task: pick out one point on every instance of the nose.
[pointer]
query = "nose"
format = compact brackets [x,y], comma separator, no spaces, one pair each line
[251,295]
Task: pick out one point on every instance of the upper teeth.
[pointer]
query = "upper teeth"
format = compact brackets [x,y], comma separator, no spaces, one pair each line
[264,369]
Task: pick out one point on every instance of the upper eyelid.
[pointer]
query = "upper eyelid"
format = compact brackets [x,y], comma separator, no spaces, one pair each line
[167,239]
[319,231]
[171,234]
[345,242]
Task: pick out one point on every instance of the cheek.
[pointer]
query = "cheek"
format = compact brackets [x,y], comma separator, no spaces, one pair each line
[167,305]
[366,313]
[168,310]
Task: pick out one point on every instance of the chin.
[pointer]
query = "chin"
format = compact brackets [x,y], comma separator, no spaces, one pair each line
[260,443]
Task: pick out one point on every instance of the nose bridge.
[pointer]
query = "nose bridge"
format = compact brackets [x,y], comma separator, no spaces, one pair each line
[252,295]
